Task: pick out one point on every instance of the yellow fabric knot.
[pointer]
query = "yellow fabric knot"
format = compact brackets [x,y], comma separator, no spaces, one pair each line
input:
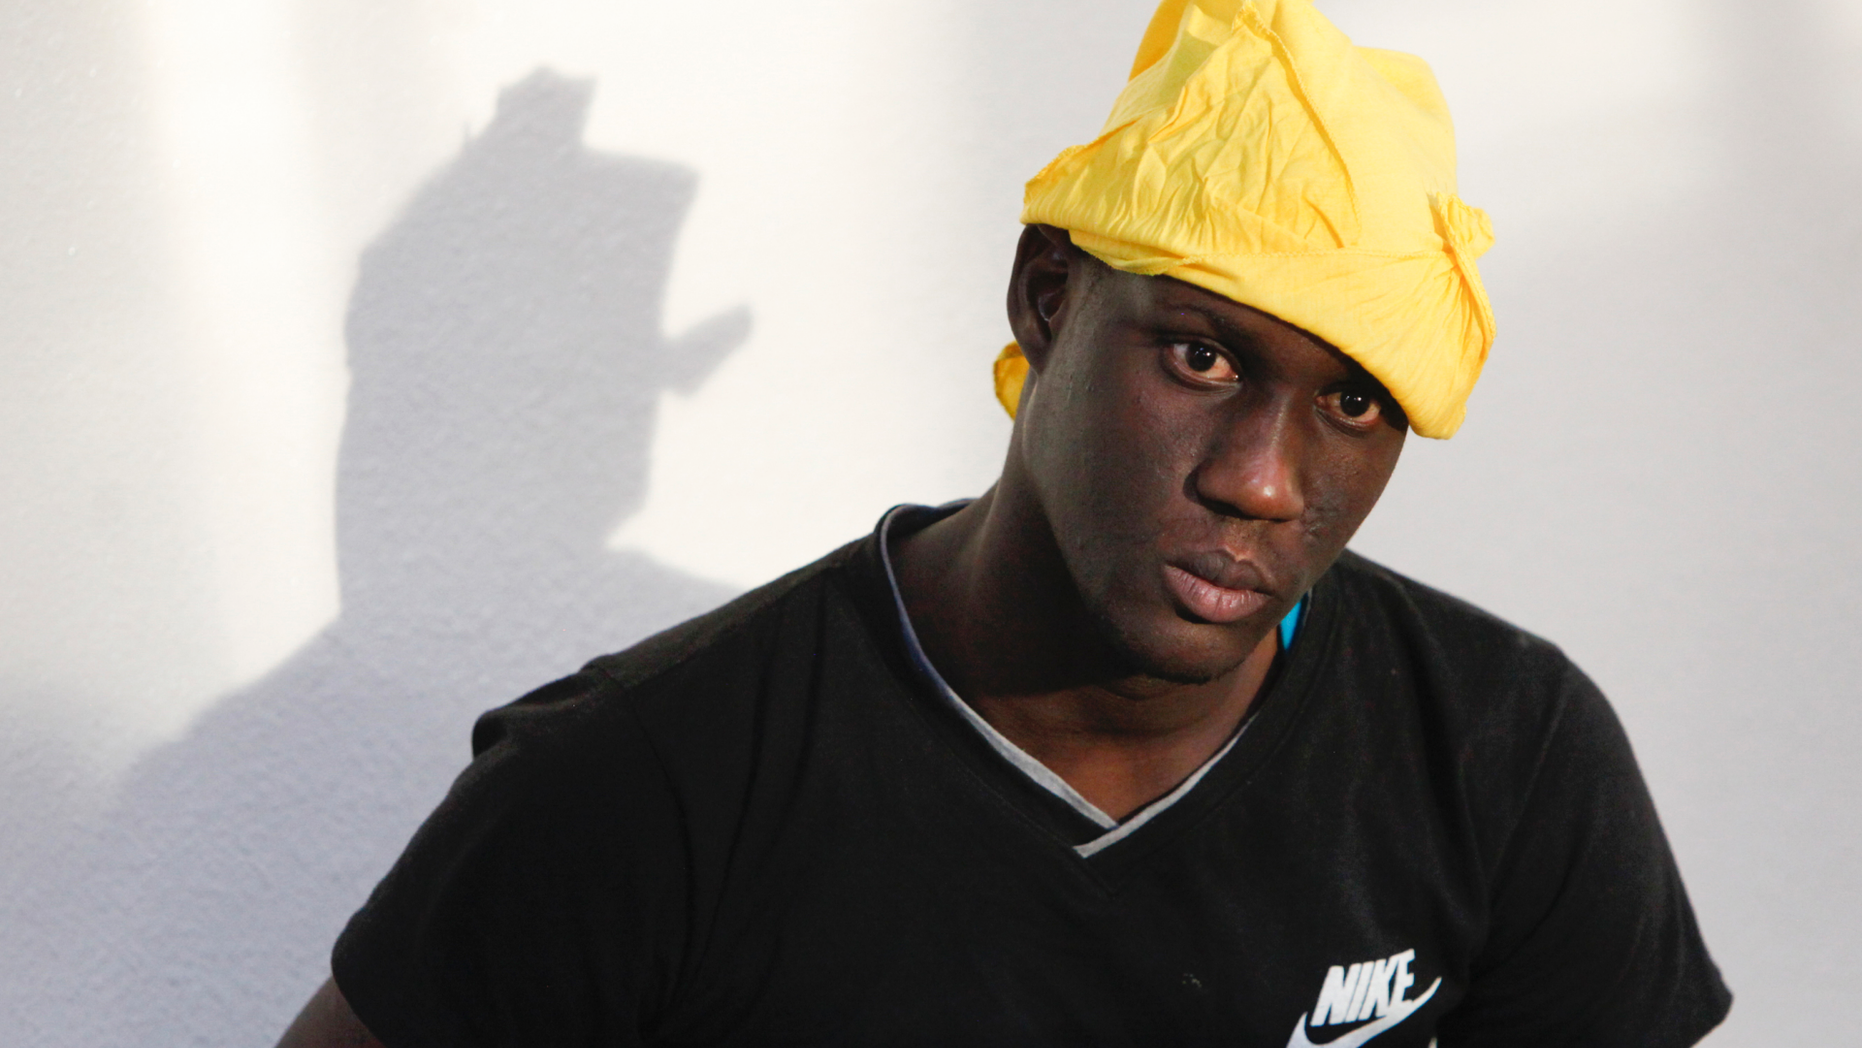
[1259,154]
[1011,371]
[1467,230]
[1468,233]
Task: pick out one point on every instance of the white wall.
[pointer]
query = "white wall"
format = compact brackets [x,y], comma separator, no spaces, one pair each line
[287,285]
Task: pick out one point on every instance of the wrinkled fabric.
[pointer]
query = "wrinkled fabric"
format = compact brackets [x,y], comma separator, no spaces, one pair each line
[1257,153]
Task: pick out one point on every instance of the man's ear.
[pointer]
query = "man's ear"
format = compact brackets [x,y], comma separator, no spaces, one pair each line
[1044,264]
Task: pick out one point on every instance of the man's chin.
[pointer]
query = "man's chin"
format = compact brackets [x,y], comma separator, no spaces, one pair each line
[1178,652]
[1180,672]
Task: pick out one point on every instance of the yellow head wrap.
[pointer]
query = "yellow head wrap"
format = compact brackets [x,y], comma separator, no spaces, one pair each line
[1258,154]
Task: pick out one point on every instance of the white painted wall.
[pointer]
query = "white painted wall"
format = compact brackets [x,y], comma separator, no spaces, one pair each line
[549,323]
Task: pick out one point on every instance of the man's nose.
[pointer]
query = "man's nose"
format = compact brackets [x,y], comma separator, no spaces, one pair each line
[1251,469]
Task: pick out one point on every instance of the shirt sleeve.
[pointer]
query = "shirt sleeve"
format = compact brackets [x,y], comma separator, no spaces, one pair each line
[1592,941]
[540,904]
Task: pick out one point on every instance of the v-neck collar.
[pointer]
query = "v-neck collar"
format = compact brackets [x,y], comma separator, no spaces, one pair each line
[1095,831]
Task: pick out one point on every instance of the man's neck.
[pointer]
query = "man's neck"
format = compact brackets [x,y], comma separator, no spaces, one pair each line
[997,613]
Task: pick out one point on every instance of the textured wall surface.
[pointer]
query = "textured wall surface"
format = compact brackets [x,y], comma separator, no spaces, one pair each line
[369,362]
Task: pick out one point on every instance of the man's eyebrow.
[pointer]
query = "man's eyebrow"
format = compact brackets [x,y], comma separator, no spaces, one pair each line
[1227,329]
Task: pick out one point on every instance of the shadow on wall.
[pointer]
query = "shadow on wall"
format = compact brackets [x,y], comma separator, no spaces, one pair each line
[506,352]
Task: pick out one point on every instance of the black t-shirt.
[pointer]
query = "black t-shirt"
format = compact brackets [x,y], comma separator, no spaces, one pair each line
[768,826]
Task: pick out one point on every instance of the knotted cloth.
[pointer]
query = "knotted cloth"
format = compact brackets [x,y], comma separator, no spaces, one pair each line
[1257,153]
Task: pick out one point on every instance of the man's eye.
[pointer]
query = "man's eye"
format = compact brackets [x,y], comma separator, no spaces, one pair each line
[1356,405]
[1203,362]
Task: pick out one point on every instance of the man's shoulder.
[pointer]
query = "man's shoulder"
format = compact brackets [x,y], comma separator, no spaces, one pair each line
[1432,621]
[1508,716]
[1490,685]
[751,622]
[703,663]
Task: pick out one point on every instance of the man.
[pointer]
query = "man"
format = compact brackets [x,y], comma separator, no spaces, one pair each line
[1128,750]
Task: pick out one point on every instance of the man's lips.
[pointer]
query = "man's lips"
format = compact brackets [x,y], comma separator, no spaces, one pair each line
[1224,569]
[1215,588]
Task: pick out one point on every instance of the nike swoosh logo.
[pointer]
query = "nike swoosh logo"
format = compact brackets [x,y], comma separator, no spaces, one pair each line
[1399,1011]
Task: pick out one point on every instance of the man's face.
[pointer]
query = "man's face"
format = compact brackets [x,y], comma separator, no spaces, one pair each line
[1200,463]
